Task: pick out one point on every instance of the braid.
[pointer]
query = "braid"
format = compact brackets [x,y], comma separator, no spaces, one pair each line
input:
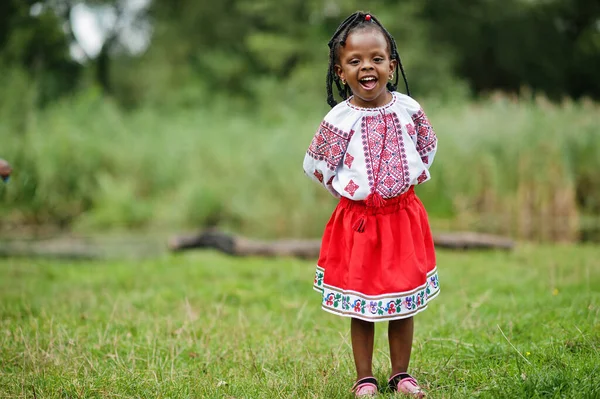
[333,44]
[338,39]
[330,78]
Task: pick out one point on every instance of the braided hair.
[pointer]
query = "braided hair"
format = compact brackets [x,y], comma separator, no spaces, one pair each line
[355,21]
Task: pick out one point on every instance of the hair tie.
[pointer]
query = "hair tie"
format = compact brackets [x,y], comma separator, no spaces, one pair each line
[368,17]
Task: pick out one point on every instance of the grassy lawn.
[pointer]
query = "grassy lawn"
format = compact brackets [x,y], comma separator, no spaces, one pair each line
[203,325]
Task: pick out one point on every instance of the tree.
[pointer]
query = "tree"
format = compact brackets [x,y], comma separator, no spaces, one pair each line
[550,46]
[31,38]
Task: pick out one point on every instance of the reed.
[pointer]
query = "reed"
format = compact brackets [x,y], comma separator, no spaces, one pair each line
[526,168]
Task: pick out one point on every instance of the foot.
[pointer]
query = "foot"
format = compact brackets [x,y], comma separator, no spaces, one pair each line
[365,387]
[406,384]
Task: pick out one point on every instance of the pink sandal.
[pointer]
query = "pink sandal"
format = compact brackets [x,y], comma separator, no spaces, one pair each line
[365,387]
[405,383]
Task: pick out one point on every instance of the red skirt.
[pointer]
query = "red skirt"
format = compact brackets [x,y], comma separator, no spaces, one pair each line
[386,272]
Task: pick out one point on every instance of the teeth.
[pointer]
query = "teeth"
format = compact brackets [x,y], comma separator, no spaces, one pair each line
[367,79]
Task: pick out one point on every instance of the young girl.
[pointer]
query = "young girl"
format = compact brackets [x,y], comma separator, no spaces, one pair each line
[377,260]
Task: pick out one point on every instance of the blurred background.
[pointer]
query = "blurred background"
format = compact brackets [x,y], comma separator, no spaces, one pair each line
[165,115]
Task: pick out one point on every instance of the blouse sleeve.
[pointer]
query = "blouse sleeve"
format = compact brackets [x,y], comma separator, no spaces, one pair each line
[426,139]
[421,133]
[325,154]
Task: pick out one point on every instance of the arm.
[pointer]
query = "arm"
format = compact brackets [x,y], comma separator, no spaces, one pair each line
[325,154]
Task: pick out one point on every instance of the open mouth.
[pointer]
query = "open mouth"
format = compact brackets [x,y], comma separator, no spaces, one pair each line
[368,82]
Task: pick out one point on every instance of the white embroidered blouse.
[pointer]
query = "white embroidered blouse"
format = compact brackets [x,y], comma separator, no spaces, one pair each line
[359,150]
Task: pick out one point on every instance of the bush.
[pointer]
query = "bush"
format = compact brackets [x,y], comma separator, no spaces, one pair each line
[525,168]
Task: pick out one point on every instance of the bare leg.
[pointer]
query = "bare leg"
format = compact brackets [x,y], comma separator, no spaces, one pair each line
[363,335]
[400,336]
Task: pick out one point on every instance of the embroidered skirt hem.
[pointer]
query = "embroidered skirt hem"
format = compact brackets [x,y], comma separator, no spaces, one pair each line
[376,308]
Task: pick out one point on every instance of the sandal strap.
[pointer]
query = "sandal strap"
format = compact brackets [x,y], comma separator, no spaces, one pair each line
[397,378]
[405,383]
[363,382]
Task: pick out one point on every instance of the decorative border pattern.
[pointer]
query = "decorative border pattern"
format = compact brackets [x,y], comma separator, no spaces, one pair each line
[376,308]
[329,144]
[377,109]
[393,176]
[426,137]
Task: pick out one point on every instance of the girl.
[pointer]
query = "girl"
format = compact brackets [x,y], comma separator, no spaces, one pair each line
[377,260]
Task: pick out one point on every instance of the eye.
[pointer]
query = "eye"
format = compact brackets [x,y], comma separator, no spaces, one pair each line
[354,62]
[378,59]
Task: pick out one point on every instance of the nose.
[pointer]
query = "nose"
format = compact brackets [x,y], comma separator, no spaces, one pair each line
[366,66]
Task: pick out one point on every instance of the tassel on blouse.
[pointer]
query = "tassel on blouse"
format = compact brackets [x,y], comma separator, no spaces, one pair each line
[375,200]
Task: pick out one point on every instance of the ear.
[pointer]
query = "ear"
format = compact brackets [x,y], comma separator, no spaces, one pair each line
[393,64]
[339,71]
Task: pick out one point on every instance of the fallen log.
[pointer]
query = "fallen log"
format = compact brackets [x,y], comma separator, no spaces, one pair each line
[84,248]
[307,249]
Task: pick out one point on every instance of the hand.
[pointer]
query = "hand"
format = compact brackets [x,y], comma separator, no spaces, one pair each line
[5,170]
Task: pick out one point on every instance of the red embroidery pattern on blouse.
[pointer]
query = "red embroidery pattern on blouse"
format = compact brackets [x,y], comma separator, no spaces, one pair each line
[426,138]
[348,161]
[351,187]
[319,175]
[329,145]
[422,177]
[393,178]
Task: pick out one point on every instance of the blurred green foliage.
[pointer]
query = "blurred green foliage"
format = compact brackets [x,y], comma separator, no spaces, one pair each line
[232,46]
[550,46]
[39,46]
[511,166]
[209,124]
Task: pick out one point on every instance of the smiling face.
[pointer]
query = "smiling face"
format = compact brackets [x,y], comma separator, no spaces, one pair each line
[365,64]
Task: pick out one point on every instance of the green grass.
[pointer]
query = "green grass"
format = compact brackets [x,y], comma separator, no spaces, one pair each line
[202,325]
